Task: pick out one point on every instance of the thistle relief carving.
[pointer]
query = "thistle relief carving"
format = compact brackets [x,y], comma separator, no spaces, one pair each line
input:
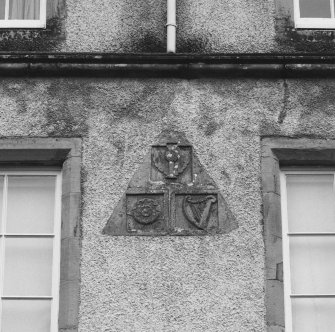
[171,194]
[170,162]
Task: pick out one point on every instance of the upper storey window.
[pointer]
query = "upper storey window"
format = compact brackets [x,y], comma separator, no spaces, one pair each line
[22,13]
[314,14]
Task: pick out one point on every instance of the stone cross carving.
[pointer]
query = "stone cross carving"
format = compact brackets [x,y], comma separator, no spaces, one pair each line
[172,155]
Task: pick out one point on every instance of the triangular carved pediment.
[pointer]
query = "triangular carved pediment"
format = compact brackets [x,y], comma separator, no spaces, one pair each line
[171,194]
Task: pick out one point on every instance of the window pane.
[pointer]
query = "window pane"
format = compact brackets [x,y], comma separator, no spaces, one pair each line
[1,201]
[312,264]
[315,8]
[26,315]
[24,10]
[31,202]
[2,9]
[311,315]
[28,267]
[310,203]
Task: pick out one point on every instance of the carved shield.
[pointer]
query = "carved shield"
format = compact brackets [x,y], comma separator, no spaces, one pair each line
[171,160]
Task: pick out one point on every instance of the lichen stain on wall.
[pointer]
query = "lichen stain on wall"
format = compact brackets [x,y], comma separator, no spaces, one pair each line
[134,100]
[225,26]
[21,96]
[321,98]
[33,40]
[54,108]
[20,107]
[66,108]
[144,30]
[314,111]
[125,26]
[289,39]
[208,125]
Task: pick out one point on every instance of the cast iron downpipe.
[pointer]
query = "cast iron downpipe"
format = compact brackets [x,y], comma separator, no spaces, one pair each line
[171,27]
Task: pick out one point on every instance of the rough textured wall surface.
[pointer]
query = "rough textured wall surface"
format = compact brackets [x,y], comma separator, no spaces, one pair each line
[139,26]
[225,26]
[116,26]
[170,283]
[203,26]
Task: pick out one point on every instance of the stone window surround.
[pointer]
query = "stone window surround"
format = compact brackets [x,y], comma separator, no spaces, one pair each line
[65,153]
[276,153]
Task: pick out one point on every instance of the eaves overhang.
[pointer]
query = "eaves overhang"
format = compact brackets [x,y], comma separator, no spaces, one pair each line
[167,65]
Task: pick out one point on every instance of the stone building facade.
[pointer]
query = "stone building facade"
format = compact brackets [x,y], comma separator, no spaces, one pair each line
[96,94]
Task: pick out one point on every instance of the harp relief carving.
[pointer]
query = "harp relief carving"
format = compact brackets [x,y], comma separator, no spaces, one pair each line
[197,211]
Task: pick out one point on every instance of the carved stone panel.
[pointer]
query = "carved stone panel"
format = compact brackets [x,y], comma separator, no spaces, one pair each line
[171,194]
[171,162]
[146,214]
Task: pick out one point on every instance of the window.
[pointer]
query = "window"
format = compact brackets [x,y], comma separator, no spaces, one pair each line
[314,14]
[22,13]
[42,286]
[278,156]
[308,223]
[30,250]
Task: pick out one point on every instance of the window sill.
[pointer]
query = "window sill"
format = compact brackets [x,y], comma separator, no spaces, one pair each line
[23,24]
[315,23]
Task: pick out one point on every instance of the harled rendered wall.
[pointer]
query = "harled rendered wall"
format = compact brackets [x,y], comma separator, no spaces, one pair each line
[171,284]
[127,26]
[203,26]
[139,26]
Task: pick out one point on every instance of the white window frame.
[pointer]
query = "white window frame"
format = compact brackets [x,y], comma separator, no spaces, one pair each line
[41,23]
[285,240]
[311,22]
[56,235]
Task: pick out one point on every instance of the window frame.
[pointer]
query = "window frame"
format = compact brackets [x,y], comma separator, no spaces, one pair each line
[64,153]
[54,297]
[279,153]
[311,22]
[288,295]
[32,24]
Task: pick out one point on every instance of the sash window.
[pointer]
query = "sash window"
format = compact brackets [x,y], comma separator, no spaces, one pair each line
[308,226]
[22,13]
[29,251]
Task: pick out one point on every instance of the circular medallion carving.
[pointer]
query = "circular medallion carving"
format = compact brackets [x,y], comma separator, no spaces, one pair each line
[146,211]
